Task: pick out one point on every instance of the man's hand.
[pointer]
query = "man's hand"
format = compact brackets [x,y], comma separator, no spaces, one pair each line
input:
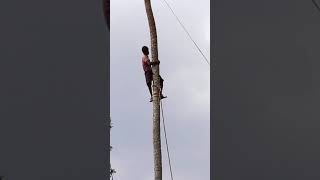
[155,62]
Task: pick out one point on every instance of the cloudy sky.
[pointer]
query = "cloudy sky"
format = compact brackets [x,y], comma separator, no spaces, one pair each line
[186,84]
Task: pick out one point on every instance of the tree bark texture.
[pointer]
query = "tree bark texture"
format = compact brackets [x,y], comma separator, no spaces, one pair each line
[155,93]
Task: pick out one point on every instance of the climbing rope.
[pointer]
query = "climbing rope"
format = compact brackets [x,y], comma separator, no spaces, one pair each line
[165,135]
[164,129]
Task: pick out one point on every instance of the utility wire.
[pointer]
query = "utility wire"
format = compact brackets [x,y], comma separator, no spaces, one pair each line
[185,29]
[165,135]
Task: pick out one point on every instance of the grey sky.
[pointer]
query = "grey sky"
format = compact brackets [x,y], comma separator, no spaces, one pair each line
[186,84]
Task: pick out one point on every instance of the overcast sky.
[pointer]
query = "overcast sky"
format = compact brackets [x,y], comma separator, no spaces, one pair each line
[186,84]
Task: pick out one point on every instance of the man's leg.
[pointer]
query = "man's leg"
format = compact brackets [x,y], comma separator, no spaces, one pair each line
[161,86]
[149,87]
[148,75]
[161,83]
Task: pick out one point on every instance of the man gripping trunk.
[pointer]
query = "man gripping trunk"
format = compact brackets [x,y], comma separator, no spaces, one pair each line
[146,64]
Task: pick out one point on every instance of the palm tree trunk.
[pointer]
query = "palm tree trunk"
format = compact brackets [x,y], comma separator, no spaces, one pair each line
[156,93]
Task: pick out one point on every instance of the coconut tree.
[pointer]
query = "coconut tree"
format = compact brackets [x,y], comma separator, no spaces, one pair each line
[156,93]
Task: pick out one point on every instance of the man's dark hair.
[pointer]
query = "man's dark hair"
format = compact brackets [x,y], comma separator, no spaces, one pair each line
[145,50]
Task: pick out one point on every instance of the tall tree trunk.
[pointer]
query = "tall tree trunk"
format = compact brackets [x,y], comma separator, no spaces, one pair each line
[156,93]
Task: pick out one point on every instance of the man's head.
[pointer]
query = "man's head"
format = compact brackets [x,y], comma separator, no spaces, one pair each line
[145,50]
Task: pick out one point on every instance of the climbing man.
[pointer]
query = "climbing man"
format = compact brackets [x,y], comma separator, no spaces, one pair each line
[146,64]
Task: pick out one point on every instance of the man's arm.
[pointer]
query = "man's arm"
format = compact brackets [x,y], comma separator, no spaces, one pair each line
[154,62]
